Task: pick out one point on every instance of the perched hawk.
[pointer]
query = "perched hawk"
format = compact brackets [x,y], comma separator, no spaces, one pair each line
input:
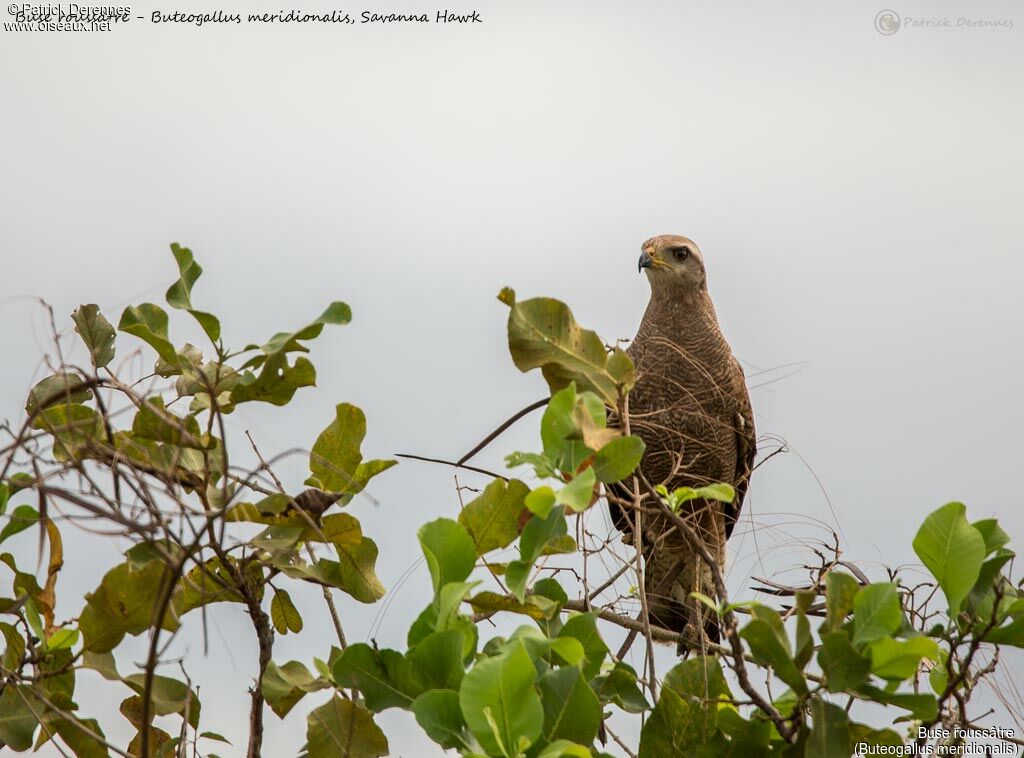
[691,408]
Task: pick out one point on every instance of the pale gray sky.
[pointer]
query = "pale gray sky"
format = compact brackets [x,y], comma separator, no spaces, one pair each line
[857,198]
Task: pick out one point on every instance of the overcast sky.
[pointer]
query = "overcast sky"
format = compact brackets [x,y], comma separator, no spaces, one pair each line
[857,197]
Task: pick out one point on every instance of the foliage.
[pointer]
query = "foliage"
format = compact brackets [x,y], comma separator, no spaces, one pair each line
[158,464]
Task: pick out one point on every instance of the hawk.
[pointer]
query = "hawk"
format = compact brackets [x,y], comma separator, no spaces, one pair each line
[691,408]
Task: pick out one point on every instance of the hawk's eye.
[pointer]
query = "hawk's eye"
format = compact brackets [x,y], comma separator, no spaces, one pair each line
[681,253]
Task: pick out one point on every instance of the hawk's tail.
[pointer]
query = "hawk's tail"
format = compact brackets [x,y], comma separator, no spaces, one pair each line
[669,584]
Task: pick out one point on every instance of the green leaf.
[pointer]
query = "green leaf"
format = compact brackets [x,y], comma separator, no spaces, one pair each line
[336,461]
[343,729]
[169,696]
[861,733]
[876,612]
[278,380]
[923,707]
[992,533]
[1009,634]
[492,519]
[566,749]
[449,550]
[618,459]
[571,709]
[73,427]
[583,627]
[539,534]
[953,551]
[840,591]
[439,714]
[843,666]
[377,674]
[284,686]
[830,731]
[80,742]
[284,614]
[672,730]
[154,422]
[542,333]
[5,494]
[700,677]
[435,663]
[896,660]
[123,603]
[180,293]
[579,493]
[619,687]
[96,332]
[540,501]
[62,639]
[21,518]
[500,704]
[18,722]
[59,389]
[149,322]
[535,606]
[769,646]
[14,650]
[353,573]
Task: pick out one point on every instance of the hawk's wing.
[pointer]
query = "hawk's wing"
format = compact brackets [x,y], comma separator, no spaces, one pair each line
[746,450]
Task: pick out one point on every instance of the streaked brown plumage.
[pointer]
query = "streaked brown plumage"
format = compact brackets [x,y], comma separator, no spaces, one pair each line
[690,406]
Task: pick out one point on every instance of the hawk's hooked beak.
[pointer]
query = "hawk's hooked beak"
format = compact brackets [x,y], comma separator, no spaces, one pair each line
[646,261]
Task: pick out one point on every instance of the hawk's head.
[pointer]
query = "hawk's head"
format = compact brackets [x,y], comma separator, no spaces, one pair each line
[673,263]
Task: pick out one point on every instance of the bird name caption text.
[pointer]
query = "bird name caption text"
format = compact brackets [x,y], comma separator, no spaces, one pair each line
[72,17]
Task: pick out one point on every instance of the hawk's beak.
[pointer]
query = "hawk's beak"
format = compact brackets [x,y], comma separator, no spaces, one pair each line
[646,261]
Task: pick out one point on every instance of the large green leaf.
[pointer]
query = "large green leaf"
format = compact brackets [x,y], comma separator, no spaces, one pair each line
[843,666]
[286,685]
[571,709]
[492,519]
[897,660]
[284,614]
[500,703]
[618,459]
[336,461]
[542,333]
[770,646]
[59,389]
[180,293]
[673,729]
[354,572]
[18,721]
[436,662]
[953,551]
[876,612]
[619,687]
[449,551]
[96,332]
[343,729]
[840,591]
[123,603]
[21,518]
[377,674]
[583,627]
[278,380]
[923,707]
[830,731]
[439,714]
[539,536]
[168,696]
[149,322]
